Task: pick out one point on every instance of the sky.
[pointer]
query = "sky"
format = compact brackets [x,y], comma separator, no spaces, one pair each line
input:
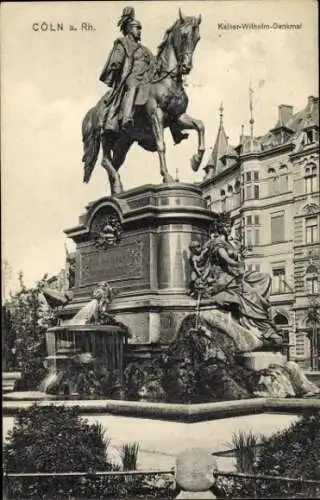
[49,80]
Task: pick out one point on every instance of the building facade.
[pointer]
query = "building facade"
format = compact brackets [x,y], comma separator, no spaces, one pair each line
[270,186]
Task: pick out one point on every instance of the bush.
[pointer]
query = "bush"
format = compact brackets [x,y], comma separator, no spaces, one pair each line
[292,453]
[57,439]
[53,439]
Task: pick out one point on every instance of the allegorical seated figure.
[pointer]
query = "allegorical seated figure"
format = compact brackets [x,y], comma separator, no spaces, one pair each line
[218,274]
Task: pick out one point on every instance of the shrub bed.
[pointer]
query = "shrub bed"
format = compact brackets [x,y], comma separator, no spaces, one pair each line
[57,439]
[293,453]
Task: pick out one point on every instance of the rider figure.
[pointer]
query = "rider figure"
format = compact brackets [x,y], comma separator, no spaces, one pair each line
[128,72]
[127,67]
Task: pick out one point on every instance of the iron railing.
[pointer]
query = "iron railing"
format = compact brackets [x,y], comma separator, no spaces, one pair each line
[253,480]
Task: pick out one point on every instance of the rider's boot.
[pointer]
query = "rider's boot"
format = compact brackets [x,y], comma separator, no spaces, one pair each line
[176,133]
[127,107]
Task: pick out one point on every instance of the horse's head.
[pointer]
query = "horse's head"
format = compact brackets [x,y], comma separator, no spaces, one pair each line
[185,36]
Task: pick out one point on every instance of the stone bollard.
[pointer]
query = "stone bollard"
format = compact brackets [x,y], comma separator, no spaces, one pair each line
[317,472]
[5,486]
[194,474]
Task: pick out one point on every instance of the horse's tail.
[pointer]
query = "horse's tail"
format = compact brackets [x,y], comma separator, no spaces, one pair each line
[91,142]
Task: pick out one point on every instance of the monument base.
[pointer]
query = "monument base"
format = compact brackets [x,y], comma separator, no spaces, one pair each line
[147,261]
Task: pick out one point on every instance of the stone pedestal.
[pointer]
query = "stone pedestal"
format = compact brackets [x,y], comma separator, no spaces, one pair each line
[261,360]
[9,379]
[147,263]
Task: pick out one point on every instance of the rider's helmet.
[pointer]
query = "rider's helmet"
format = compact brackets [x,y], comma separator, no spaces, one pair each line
[127,20]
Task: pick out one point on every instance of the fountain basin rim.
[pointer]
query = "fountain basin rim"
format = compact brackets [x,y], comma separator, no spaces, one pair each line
[57,357]
[87,328]
[176,412]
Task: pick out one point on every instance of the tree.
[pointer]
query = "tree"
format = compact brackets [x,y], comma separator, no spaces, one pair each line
[8,340]
[25,334]
[6,276]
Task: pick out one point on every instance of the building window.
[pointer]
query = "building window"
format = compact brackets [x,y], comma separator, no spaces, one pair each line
[278,280]
[312,284]
[253,267]
[312,280]
[249,194]
[312,233]
[229,203]
[310,137]
[284,179]
[223,200]
[280,320]
[208,202]
[251,189]
[277,228]
[249,238]
[252,192]
[300,350]
[310,179]
[273,185]
[236,194]
[252,231]
[252,237]
[229,200]
[282,323]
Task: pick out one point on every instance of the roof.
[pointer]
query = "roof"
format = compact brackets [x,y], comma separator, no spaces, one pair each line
[231,152]
[219,150]
[308,116]
[290,124]
[251,145]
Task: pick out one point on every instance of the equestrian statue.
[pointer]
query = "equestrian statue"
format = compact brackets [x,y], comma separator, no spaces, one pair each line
[146,94]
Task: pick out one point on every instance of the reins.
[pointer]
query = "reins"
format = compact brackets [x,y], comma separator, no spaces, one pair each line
[176,67]
[165,75]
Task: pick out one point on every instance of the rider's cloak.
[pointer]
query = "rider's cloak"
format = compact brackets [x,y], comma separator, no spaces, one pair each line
[128,65]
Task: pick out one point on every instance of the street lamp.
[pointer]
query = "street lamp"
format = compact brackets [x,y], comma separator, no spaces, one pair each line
[313,319]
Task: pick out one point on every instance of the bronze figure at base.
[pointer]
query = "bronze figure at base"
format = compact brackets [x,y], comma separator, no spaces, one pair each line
[219,277]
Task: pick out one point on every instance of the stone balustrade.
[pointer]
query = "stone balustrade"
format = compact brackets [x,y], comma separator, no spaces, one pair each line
[8,380]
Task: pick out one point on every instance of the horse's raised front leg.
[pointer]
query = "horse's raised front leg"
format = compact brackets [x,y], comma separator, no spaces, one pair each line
[186,122]
[157,127]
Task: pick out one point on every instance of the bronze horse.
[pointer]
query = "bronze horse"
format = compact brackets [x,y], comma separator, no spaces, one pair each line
[166,105]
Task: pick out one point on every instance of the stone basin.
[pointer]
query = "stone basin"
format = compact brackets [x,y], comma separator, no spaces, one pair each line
[165,430]
[162,440]
[27,396]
